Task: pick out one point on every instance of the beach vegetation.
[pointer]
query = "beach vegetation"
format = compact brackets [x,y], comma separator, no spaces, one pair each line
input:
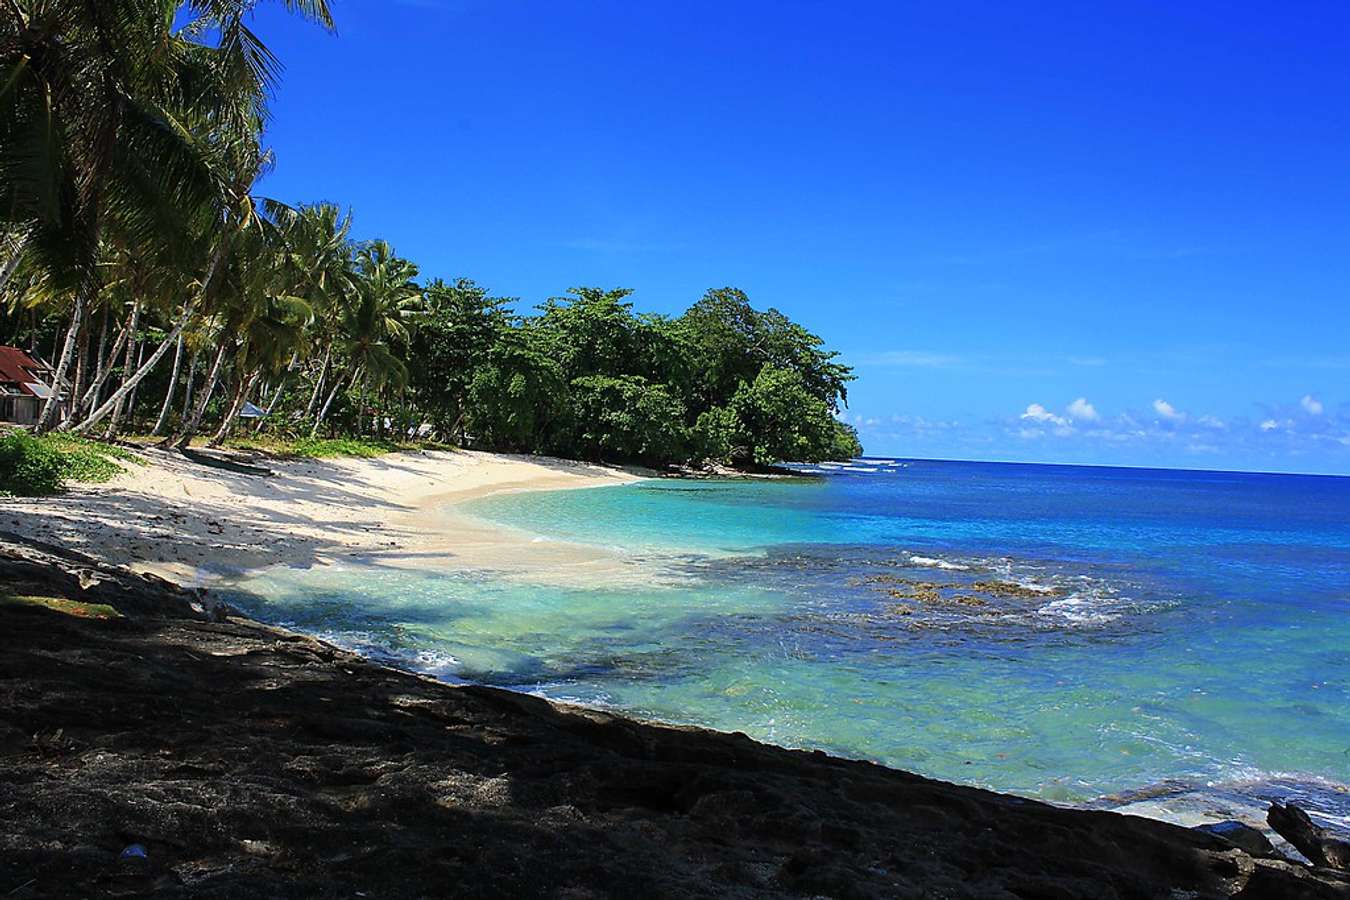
[323,448]
[35,466]
[171,299]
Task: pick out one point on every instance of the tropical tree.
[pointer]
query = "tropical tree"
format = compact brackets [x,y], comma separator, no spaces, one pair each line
[627,418]
[775,417]
[456,329]
[108,111]
[318,259]
[374,325]
[518,395]
[263,320]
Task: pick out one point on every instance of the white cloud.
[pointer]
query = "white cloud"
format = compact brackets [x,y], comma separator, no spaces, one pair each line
[1037,413]
[1168,411]
[1311,404]
[1269,425]
[1213,422]
[1082,410]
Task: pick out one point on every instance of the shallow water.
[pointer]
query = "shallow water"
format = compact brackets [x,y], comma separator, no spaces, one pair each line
[1061,632]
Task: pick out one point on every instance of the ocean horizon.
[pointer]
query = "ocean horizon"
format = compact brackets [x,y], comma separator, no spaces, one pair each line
[801,467]
[1079,634]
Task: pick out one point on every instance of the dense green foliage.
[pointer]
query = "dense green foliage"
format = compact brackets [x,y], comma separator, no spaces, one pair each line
[35,466]
[588,377]
[135,256]
[29,466]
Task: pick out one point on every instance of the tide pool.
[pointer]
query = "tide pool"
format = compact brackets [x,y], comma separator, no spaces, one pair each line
[1059,632]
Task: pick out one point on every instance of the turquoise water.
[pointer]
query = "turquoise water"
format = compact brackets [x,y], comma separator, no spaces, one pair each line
[1060,632]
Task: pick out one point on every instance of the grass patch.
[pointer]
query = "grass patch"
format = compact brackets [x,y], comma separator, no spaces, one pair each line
[323,448]
[62,605]
[35,466]
[87,460]
[328,448]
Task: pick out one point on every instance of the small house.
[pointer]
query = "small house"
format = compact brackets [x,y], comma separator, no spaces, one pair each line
[25,384]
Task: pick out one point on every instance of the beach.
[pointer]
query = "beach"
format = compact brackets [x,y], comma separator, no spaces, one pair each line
[196,524]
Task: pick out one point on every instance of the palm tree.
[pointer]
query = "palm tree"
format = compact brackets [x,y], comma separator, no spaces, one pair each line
[235,212]
[108,110]
[318,258]
[244,225]
[374,323]
[268,321]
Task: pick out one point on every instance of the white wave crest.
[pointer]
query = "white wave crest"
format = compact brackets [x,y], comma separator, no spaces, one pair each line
[931,562]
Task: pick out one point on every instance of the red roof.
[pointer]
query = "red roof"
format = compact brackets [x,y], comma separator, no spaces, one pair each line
[20,369]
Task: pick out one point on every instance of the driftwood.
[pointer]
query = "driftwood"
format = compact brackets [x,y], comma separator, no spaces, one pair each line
[1313,842]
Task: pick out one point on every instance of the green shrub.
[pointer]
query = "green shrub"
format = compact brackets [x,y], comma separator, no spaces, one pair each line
[35,466]
[323,448]
[29,467]
[87,460]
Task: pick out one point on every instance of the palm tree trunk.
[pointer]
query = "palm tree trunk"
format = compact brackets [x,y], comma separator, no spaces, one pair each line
[129,384]
[90,398]
[173,383]
[241,394]
[81,362]
[164,347]
[131,398]
[187,388]
[361,409]
[47,419]
[102,346]
[337,385]
[128,366]
[272,405]
[318,384]
[188,430]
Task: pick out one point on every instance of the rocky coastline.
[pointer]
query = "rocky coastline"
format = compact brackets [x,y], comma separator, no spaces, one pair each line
[154,743]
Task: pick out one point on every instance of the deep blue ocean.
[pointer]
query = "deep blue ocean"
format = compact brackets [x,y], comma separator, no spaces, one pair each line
[1061,632]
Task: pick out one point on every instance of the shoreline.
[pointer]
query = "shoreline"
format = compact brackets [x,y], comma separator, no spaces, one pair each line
[247,760]
[399,510]
[199,525]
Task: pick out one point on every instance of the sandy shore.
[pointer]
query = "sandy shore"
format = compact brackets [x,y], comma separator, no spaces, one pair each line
[193,523]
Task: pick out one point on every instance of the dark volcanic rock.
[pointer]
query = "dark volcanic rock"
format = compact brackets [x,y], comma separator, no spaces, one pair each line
[251,762]
[1241,835]
[1323,848]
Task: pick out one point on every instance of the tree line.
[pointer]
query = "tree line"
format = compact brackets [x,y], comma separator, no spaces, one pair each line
[136,255]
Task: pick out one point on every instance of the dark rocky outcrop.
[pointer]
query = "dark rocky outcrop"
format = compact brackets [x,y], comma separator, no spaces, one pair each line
[1240,834]
[248,761]
[1324,849]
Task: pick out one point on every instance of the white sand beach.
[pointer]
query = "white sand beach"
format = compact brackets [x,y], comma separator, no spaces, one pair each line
[193,523]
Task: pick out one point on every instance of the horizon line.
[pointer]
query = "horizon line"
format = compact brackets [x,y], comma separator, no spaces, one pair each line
[1019,462]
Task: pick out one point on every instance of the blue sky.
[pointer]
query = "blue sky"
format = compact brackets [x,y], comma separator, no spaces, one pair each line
[1107,233]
